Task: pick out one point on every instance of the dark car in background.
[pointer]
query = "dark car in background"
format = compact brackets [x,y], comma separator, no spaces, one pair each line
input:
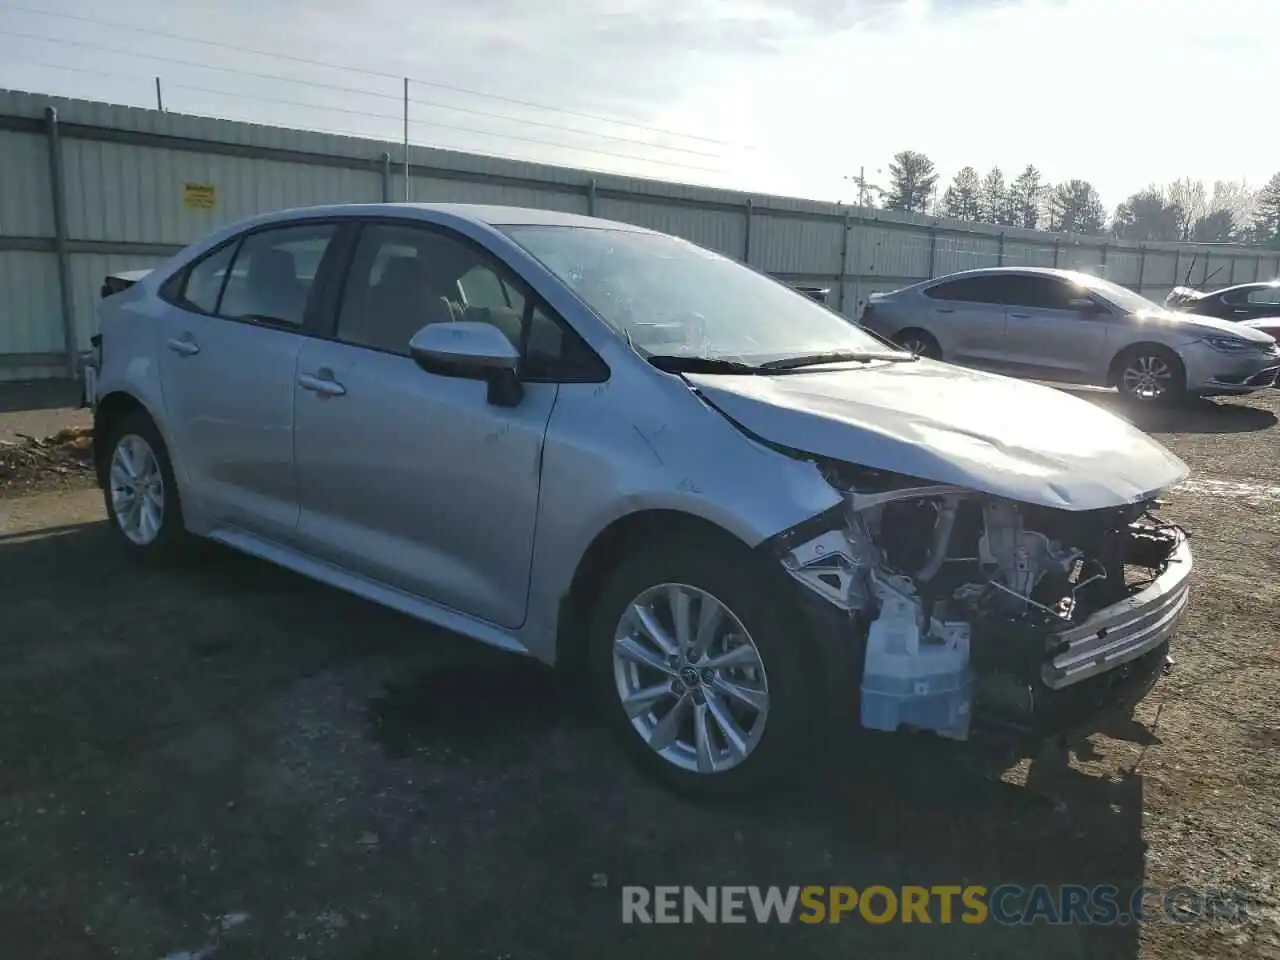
[1244,301]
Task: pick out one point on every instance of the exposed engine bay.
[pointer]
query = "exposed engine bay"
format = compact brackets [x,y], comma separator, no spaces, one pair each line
[964,600]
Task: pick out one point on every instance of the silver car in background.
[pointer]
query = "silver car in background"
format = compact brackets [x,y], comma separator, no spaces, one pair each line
[1071,327]
[736,518]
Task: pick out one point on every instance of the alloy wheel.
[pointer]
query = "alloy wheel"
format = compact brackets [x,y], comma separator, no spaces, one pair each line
[1147,377]
[137,489]
[690,678]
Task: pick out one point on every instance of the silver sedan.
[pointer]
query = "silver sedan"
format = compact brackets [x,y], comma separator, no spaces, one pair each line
[1071,327]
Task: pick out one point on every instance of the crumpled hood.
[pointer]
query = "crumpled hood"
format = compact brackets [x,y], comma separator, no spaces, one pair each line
[946,424]
[1198,325]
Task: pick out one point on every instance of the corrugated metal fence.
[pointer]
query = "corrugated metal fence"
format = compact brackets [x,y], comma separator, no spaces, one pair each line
[89,188]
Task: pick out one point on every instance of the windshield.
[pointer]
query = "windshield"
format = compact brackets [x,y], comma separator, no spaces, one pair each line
[668,297]
[1122,297]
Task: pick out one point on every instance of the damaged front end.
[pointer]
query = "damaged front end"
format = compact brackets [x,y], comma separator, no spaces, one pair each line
[967,611]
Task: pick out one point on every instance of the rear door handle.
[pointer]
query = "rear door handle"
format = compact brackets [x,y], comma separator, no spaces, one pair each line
[1020,316]
[322,383]
[183,346]
[944,309]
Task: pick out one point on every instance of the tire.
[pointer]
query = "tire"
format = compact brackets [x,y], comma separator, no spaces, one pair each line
[768,745]
[155,528]
[920,342]
[1150,375]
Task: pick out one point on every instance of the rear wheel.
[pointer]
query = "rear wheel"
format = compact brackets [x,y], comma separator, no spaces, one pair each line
[697,674]
[1150,375]
[139,487]
[919,342]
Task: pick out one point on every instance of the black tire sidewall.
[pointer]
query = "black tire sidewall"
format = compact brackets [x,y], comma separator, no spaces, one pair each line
[172,531]
[735,579]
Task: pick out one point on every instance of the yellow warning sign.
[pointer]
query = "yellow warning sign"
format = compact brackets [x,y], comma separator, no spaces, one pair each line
[199,196]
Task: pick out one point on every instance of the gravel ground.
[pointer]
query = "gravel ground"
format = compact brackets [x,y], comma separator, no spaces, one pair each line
[220,759]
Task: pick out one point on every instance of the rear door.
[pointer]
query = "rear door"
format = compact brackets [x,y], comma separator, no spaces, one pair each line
[1046,336]
[232,330]
[966,316]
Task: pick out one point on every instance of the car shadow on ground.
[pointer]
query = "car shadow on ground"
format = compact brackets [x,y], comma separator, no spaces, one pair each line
[504,818]
[1193,415]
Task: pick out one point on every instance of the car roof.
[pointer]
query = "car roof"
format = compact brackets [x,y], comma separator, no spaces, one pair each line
[1002,271]
[1254,285]
[490,215]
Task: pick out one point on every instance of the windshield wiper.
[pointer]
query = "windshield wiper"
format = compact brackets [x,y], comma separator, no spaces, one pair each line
[836,356]
[672,363]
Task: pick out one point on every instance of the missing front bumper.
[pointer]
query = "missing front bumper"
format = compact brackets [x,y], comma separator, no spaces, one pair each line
[1123,631]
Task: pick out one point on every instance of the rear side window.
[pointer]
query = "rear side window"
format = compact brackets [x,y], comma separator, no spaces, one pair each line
[273,273]
[987,289]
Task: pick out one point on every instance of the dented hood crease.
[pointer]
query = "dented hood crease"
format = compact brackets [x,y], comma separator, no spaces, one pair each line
[933,421]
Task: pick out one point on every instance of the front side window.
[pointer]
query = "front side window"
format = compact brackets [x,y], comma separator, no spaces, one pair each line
[669,297]
[981,289]
[403,278]
[1036,291]
[1265,295]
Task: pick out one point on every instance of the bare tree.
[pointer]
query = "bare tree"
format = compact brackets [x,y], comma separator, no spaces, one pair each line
[1192,199]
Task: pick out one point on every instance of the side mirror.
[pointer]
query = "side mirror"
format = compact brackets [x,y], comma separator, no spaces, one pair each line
[1083,305]
[472,351]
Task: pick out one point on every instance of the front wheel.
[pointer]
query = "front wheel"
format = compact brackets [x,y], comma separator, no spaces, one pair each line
[1151,376]
[695,670]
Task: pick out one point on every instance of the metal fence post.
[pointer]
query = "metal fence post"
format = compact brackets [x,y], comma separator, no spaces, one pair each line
[1231,276]
[844,260]
[386,177]
[1000,254]
[591,197]
[1104,261]
[57,186]
[1177,255]
[1056,245]
[1257,268]
[1277,267]
[746,238]
[933,249]
[1142,265]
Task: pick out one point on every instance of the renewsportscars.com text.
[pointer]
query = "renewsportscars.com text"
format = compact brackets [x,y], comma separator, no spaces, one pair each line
[1007,904]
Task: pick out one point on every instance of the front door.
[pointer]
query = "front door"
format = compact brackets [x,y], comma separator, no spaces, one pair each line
[411,478]
[230,341]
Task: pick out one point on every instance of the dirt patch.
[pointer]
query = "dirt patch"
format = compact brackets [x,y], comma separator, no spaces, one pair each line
[31,464]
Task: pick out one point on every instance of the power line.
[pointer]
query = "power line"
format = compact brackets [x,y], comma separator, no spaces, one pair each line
[387,116]
[372,73]
[368,93]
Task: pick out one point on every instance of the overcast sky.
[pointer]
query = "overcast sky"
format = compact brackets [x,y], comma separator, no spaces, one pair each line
[787,96]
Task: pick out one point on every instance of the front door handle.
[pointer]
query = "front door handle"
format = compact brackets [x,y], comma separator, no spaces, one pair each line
[944,309]
[321,382]
[1020,316]
[183,346]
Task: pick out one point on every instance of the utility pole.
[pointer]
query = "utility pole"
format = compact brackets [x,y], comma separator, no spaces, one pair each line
[159,98]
